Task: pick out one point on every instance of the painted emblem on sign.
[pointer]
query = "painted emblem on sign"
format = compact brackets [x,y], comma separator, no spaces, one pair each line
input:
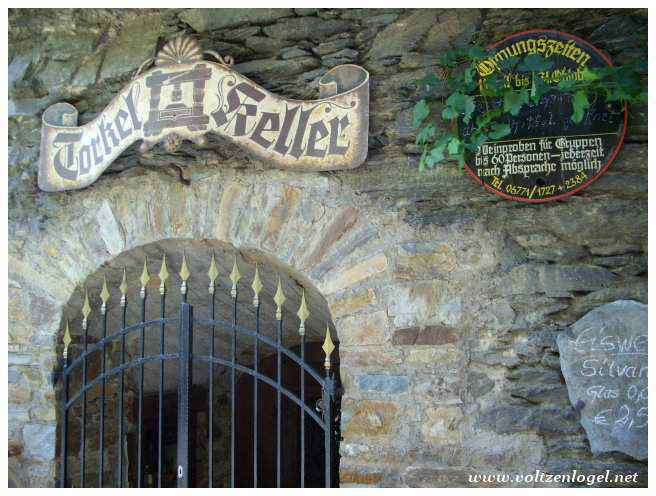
[546,156]
[184,97]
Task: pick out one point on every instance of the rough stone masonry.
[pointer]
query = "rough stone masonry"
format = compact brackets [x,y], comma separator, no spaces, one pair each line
[447,299]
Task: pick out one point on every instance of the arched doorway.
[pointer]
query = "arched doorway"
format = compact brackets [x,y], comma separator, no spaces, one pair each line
[157,389]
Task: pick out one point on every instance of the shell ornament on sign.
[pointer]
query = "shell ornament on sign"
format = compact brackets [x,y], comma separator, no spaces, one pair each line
[180,50]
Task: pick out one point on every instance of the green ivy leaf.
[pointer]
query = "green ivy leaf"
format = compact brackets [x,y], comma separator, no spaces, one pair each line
[589,74]
[422,159]
[426,134]
[470,106]
[535,63]
[449,113]
[499,131]
[493,85]
[579,105]
[461,105]
[514,100]
[454,146]
[428,80]
[419,113]
[476,140]
[476,52]
[566,85]
[436,155]
[538,88]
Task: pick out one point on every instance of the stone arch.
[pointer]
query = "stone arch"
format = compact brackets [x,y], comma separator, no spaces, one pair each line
[326,242]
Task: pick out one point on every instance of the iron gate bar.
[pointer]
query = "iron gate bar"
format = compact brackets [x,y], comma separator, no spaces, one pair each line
[64,461]
[124,308]
[163,276]
[278,406]
[303,314]
[212,274]
[257,287]
[145,277]
[185,381]
[234,277]
[104,296]
[302,441]
[86,310]
[327,401]
[328,393]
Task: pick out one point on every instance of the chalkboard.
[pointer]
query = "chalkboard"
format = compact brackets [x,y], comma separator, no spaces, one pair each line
[546,156]
[603,357]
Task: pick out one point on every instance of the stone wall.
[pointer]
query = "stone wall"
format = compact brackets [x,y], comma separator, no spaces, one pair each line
[447,300]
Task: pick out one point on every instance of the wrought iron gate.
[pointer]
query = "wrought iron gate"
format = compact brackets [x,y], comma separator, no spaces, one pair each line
[185,321]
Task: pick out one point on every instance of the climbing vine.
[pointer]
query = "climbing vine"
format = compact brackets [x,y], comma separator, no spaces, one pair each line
[451,94]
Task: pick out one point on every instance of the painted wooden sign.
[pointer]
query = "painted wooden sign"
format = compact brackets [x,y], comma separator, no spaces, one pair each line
[185,97]
[546,156]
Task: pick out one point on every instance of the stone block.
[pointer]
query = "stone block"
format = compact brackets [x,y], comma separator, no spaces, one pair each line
[352,303]
[435,335]
[275,68]
[39,441]
[370,418]
[342,222]
[556,279]
[402,36]
[376,356]
[333,46]
[441,426]
[363,329]
[356,273]
[360,476]
[455,27]
[383,383]
[212,19]
[135,43]
[429,476]
[417,261]
[308,28]
[444,386]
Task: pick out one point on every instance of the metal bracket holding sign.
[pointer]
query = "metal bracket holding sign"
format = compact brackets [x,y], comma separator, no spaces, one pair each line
[184,97]
[546,156]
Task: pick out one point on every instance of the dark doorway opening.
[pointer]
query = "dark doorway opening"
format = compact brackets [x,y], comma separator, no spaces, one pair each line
[267,445]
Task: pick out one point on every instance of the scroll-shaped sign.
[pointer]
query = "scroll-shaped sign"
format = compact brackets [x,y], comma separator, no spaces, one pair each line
[184,97]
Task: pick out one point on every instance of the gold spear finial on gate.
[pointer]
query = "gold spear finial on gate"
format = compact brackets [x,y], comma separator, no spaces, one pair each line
[184,274]
[124,288]
[213,273]
[145,277]
[86,309]
[104,296]
[163,275]
[328,348]
[279,298]
[257,287]
[234,277]
[303,314]
[67,340]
